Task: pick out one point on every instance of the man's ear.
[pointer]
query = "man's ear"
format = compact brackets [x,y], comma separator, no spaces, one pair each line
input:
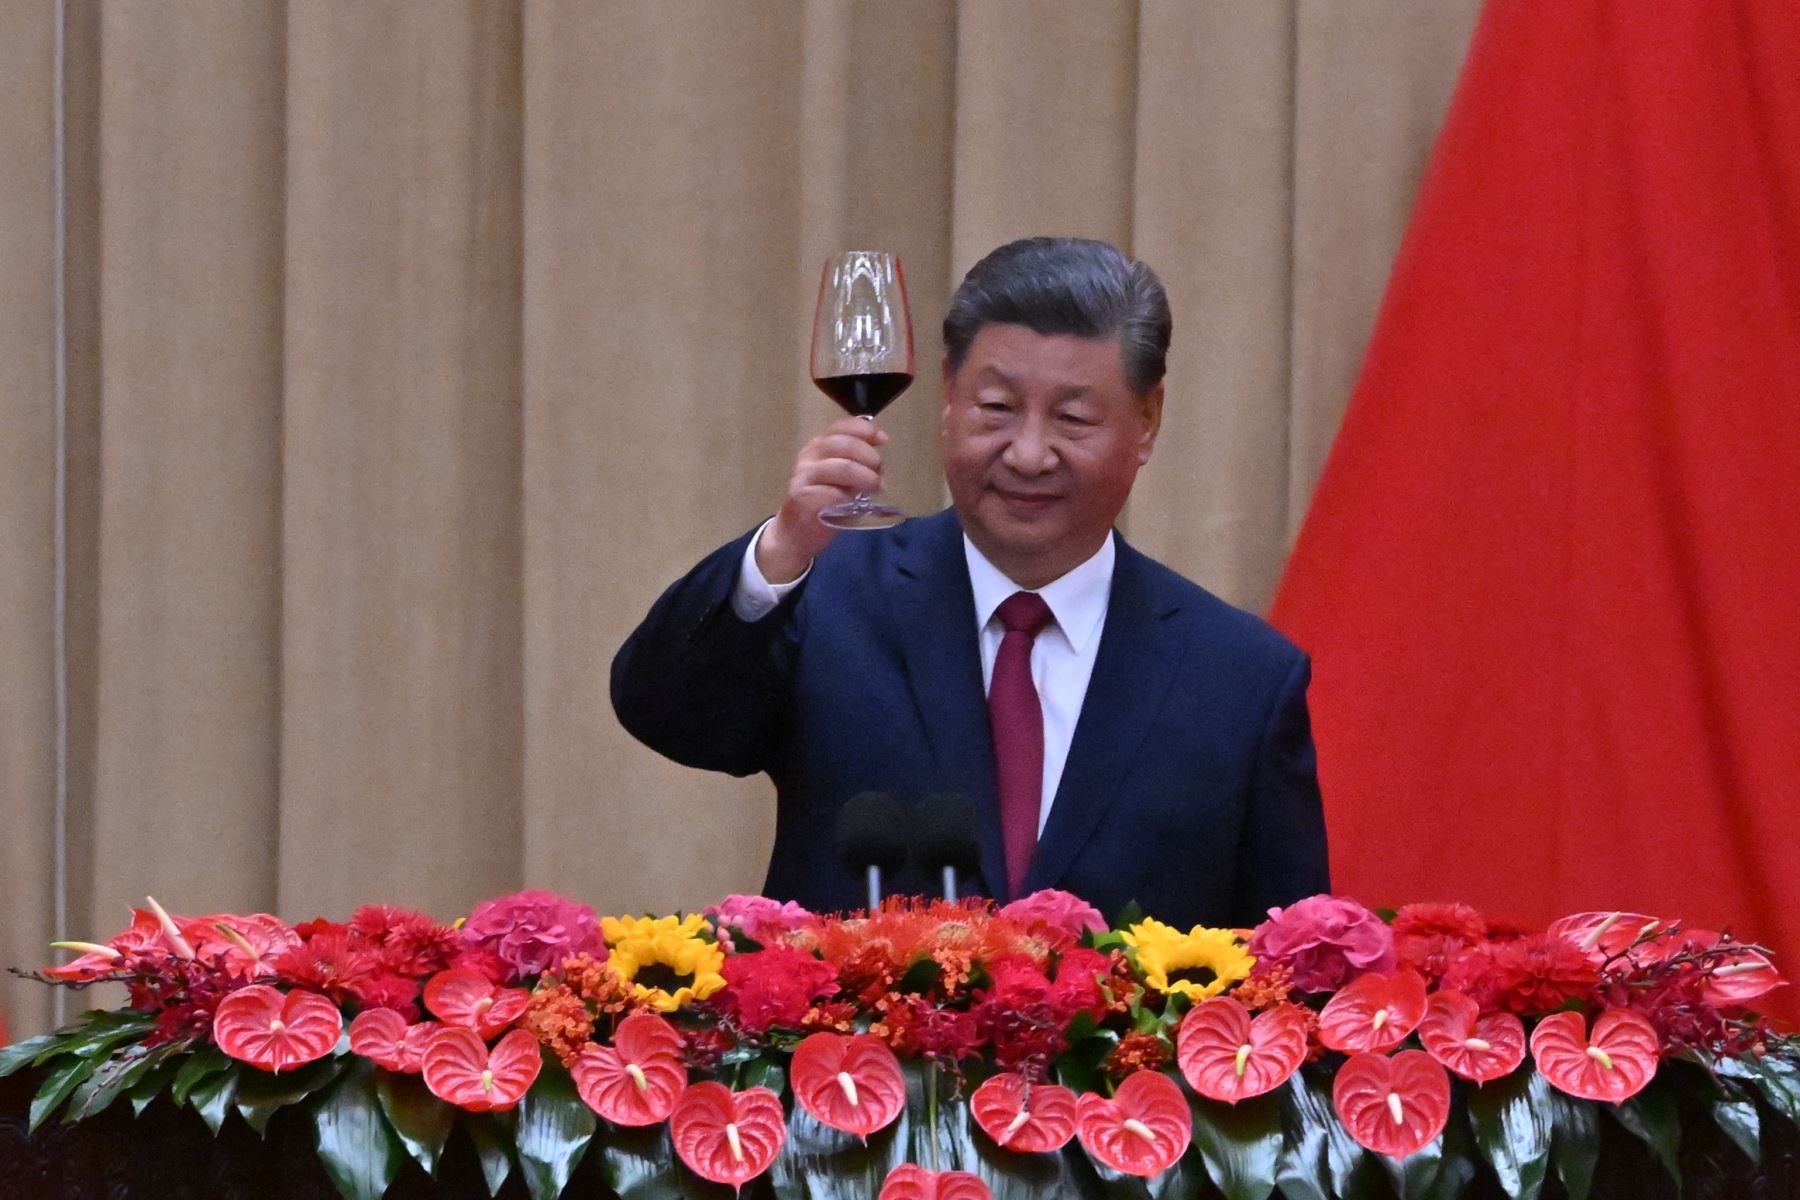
[1153,406]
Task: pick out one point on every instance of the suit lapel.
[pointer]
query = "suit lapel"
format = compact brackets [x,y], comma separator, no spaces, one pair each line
[934,610]
[1133,668]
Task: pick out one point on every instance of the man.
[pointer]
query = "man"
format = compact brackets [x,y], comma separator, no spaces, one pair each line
[1121,733]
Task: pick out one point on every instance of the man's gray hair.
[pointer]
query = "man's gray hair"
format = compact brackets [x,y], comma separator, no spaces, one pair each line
[1064,285]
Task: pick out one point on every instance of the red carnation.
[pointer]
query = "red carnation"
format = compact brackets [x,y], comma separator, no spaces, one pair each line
[1457,921]
[773,987]
[1079,973]
[387,989]
[1541,974]
[330,961]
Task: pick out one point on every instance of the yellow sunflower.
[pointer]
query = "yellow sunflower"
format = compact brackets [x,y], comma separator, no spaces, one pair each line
[664,960]
[1198,964]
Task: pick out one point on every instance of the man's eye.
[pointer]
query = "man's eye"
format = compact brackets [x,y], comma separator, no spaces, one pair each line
[1075,419]
[995,406]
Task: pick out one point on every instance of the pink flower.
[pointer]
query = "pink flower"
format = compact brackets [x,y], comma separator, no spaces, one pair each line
[533,930]
[762,920]
[1057,909]
[1326,941]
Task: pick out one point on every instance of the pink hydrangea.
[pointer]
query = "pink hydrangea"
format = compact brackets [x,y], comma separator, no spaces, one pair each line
[762,920]
[1326,941]
[1060,910]
[534,930]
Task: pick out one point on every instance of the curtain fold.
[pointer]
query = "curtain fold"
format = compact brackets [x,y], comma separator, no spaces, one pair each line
[411,350]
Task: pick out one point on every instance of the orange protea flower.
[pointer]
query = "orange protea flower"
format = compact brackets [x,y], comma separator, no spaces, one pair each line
[558,1019]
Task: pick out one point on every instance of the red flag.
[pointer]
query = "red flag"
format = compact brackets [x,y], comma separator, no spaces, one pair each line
[1551,575]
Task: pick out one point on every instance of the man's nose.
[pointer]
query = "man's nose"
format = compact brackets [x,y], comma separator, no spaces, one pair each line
[1030,451]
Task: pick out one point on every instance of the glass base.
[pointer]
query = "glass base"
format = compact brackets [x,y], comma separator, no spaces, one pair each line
[862,513]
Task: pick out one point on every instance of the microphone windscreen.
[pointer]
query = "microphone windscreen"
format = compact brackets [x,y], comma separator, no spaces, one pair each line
[871,831]
[945,834]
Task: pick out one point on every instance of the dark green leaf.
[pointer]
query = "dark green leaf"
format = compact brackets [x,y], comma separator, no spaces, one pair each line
[111,1080]
[765,1070]
[1319,1158]
[98,1033]
[260,1093]
[821,1161]
[155,1082]
[358,1150]
[420,1118]
[555,1127]
[1513,1129]
[1652,1116]
[1130,915]
[920,978]
[1457,1167]
[209,1061]
[641,1165]
[1239,1143]
[1575,1151]
[17,1055]
[1735,1114]
[1775,1078]
[1415,1176]
[212,1097]
[492,1135]
[67,1075]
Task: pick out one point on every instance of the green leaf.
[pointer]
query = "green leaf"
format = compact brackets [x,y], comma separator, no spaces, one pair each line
[492,1135]
[821,1161]
[555,1127]
[1652,1116]
[765,1070]
[98,1033]
[212,1097]
[155,1082]
[920,978]
[1457,1167]
[1513,1129]
[260,1094]
[358,1150]
[1775,1078]
[17,1055]
[1575,1145]
[209,1061]
[1239,1143]
[56,1088]
[1415,1176]
[420,1118]
[1319,1158]
[1735,1114]
[111,1080]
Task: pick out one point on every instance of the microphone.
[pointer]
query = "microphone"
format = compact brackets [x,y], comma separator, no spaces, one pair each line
[871,834]
[946,838]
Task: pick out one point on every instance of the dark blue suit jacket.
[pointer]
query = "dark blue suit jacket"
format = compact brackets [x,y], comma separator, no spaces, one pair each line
[1189,787]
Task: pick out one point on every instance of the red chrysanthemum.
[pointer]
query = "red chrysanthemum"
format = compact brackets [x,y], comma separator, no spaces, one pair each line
[1455,921]
[331,961]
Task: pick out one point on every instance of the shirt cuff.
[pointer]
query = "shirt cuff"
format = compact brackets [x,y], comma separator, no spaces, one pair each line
[755,597]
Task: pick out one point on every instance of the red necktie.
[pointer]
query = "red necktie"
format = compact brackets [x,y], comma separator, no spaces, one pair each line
[1017,723]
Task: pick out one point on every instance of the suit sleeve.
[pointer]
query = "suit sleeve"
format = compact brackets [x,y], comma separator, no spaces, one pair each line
[1283,856]
[699,685]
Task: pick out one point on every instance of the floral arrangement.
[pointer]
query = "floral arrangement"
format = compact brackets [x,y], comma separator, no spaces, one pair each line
[933,1049]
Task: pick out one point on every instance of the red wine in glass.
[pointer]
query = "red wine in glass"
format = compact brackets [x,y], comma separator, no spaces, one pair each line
[865,395]
[862,355]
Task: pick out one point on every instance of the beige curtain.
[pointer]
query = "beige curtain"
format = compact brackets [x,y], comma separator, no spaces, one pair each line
[367,368]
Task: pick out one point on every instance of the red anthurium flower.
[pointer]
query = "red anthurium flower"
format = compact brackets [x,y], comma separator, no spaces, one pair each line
[1374,1012]
[849,1083]
[1476,1047]
[637,1079]
[909,1181]
[1737,975]
[384,1036]
[460,1069]
[1225,1055]
[261,1026]
[1394,1105]
[726,1136]
[466,997]
[1614,1063]
[1024,1116]
[1142,1130]
[1600,935]
[102,961]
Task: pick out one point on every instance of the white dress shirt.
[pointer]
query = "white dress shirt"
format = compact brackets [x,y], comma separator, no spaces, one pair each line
[1062,657]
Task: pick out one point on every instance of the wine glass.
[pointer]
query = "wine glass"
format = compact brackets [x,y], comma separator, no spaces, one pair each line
[862,355]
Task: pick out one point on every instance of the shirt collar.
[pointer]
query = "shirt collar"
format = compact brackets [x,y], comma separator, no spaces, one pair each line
[1077,599]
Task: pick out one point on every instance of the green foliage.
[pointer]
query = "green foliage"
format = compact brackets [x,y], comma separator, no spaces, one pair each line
[554,1128]
[360,1152]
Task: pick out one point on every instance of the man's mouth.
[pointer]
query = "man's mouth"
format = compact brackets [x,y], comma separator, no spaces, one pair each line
[1026,500]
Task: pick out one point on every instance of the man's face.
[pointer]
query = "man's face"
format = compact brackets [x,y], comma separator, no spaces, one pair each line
[1042,439]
